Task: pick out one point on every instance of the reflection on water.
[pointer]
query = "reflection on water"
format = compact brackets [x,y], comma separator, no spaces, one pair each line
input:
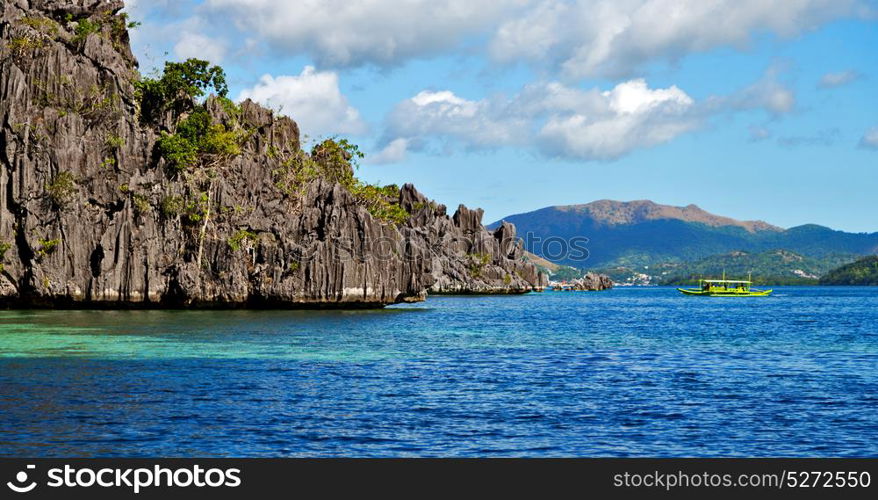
[623,373]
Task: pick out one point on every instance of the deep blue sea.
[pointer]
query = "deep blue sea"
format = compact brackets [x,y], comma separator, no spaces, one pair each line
[627,372]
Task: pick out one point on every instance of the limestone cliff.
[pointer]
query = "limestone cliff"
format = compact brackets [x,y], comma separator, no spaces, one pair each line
[465,257]
[593,282]
[90,216]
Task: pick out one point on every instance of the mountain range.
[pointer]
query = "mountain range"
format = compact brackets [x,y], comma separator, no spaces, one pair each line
[639,234]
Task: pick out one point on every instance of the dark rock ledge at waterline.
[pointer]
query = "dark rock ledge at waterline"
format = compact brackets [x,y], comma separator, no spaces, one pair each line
[95,211]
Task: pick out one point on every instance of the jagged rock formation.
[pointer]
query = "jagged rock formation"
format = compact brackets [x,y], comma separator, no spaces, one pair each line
[89,215]
[465,257]
[591,282]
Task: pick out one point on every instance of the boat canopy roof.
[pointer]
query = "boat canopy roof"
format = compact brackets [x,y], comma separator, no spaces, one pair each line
[726,281]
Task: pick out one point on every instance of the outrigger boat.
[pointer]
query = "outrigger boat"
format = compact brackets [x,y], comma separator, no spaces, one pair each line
[725,288]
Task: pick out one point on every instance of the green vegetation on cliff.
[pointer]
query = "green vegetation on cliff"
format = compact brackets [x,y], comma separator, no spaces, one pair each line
[863,272]
[566,273]
[336,159]
[199,140]
[178,86]
[200,144]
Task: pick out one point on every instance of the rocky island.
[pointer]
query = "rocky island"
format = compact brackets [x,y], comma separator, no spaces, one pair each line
[118,190]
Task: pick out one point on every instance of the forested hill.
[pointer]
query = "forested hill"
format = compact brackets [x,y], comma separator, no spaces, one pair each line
[774,267]
[863,272]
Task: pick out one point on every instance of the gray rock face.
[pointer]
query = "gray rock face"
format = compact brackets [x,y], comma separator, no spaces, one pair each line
[467,258]
[593,282]
[83,197]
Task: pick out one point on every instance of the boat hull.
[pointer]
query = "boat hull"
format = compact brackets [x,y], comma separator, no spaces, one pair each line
[729,293]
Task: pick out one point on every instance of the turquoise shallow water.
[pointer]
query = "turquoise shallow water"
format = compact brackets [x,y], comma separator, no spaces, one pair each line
[629,372]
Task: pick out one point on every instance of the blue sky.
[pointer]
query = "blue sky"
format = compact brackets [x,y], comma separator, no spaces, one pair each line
[748,108]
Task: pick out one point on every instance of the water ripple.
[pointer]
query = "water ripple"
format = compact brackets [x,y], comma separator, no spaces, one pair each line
[630,372]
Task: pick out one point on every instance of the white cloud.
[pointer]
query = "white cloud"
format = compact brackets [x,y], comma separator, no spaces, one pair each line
[634,117]
[554,118]
[201,47]
[832,80]
[870,139]
[394,152]
[588,38]
[564,121]
[767,93]
[635,97]
[163,24]
[583,38]
[350,33]
[771,95]
[479,124]
[312,98]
